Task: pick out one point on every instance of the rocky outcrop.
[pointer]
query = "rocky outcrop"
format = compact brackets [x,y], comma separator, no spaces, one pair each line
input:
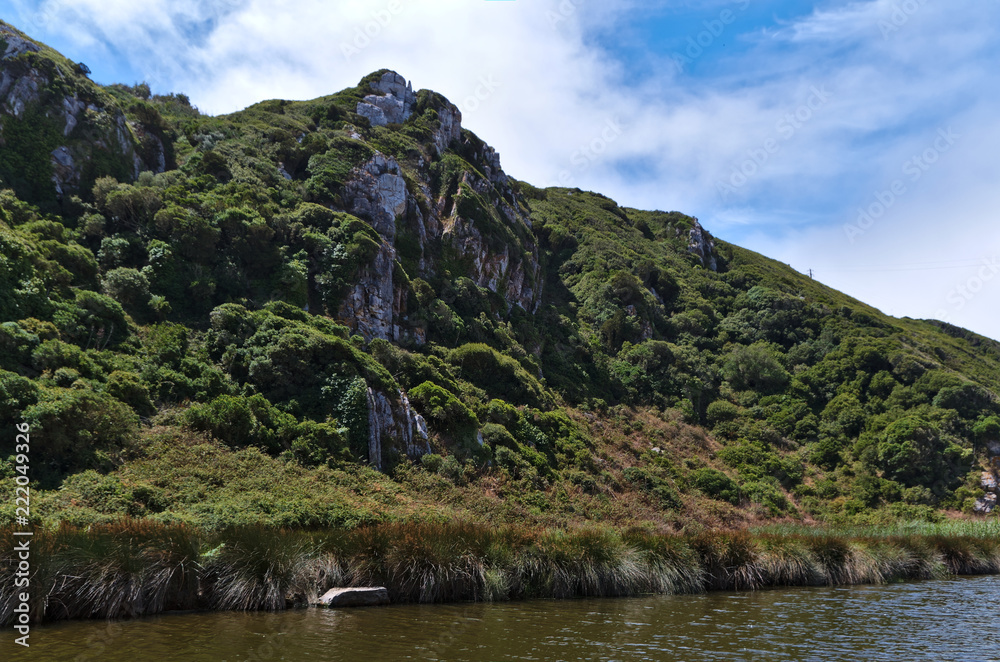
[354,597]
[16,44]
[988,502]
[394,424]
[377,193]
[701,244]
[393,102]
[27,86]
[509,268]
[497,244]
[450,128]
[496,269]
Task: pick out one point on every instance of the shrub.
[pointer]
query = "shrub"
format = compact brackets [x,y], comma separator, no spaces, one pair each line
[77,429]
[721,411]
[498,374]
[755,367]
[130,389]
[241,421]
[445,411]
[652,484]
[432,462]
[716,484]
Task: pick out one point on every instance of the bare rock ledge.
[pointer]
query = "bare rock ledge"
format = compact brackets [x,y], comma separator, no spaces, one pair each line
[354,597]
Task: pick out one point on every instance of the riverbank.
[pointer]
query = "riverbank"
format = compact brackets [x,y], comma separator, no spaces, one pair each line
[138,568]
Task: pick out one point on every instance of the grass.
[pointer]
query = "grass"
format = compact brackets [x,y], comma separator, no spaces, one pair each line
[137,567]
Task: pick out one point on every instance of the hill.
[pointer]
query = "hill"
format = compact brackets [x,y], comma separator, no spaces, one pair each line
[343,310]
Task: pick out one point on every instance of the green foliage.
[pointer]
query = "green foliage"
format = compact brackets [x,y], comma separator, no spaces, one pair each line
[77,430]
[207,295]
[656,486]
[241,421]
[329,171]
[130,389]
[756,367]
[485,367]
[716,484]
[445,412]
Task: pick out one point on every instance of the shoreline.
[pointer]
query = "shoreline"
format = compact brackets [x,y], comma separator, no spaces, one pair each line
[139,568]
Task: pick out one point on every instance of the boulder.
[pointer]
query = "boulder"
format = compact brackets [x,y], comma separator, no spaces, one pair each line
[354,597]
[986,504]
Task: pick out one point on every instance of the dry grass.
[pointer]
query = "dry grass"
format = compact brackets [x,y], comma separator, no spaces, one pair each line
[135,568]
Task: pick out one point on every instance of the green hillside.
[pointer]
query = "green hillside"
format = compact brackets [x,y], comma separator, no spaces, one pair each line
[342,311]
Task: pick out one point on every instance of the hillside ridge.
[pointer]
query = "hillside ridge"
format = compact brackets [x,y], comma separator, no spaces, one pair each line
[358,316]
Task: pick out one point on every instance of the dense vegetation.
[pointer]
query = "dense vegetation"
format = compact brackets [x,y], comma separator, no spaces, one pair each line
[142,568]
[175,341]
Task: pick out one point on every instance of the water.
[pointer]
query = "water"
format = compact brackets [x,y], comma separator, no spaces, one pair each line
[945,621]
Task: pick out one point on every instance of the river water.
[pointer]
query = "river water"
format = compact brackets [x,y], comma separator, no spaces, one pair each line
[942,621]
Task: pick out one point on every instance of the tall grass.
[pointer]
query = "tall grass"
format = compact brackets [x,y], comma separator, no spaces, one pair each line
[136,568]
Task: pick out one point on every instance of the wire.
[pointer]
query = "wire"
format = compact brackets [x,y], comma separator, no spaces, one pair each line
[914,266]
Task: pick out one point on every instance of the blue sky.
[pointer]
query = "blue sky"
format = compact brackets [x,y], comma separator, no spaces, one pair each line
[856,138]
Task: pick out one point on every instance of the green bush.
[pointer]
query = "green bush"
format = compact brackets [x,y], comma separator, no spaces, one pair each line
[17,393]
[498,374]
[240,421]
[755,367]
[432,462]
[654,485]
[78,429]
[721,411]
[445,412]
[130,389]
[716,484]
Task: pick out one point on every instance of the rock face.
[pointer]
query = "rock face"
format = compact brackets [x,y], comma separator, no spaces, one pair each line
[354,597]
[394,423]
[702,245]
[377,193]
[478,221]
[495,244]
[88,131]
[393,103]
[988,502]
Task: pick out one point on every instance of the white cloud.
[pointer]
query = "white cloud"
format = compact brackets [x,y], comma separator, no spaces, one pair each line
[891,80]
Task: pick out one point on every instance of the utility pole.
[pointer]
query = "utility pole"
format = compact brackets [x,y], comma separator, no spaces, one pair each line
[810,273]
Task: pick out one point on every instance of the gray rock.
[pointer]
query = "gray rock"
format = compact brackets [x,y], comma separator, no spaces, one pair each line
[701,244]
[354,597]
[450,129]
[394,422]
[393,104]
[65,174]
[16,45]
[24,92]
[72,107]
[986,504]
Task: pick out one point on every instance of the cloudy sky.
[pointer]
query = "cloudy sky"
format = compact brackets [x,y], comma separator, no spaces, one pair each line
[855,138]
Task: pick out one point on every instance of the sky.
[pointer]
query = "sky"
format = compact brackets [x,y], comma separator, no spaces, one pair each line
[858,139]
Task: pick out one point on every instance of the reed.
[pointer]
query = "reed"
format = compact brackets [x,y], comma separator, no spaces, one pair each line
[134,568]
